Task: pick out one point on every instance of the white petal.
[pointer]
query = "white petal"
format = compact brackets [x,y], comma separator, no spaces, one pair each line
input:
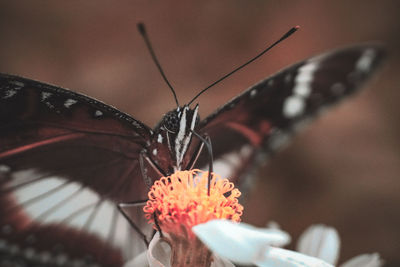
[159,252]
[320,241]
[240,243]
[364,260]
[279,257]
[140,260]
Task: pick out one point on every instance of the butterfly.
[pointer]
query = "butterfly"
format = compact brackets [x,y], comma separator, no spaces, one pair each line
[66,159]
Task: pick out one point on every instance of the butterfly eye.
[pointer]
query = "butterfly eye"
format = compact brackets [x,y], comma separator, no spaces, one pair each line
[171,122]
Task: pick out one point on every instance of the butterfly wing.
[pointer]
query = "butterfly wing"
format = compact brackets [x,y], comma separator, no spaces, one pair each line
[259,121]
[65,161]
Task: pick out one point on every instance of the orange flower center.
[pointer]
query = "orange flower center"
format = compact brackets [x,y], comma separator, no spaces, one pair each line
[181,201]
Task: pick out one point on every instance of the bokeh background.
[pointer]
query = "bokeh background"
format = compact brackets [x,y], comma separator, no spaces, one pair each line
[342,171]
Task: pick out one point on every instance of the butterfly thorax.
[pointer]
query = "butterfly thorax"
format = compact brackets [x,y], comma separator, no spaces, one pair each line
[172,139]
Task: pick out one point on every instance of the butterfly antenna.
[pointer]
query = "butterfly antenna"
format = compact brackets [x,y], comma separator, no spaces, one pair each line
[142,31]
[286,35]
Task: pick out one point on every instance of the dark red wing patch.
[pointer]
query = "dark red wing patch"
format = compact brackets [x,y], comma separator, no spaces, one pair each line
[66,160]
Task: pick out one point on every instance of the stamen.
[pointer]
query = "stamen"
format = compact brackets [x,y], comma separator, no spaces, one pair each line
[180,201]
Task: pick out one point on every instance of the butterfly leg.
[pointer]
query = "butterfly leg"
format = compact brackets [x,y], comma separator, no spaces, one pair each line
[122,205]
[195,156]
[143,159]
[207,142]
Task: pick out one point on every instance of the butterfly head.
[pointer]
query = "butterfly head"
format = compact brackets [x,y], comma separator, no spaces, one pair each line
[181,118]
[173,137]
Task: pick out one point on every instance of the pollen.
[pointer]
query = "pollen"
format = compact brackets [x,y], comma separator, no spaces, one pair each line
[180,201]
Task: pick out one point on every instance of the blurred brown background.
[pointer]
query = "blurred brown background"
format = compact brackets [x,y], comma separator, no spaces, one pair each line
[343,171]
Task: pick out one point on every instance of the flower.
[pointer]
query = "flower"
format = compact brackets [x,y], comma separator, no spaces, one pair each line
[248,245]
[318,246]
[323,242]
[179,202]
[197,221]
[158,254]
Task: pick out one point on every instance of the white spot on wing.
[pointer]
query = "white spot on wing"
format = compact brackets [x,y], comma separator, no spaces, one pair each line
[365,61]
[98,113]
[9,93]
[12,90]
[155,152]
[293,106]
[4,168]
[253,93]
[304,78]
[45,95]
[69,102]
[159,138]
[18,84]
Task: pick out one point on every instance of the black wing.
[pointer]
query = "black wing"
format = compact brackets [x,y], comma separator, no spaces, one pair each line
[259,121]
[65,160]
